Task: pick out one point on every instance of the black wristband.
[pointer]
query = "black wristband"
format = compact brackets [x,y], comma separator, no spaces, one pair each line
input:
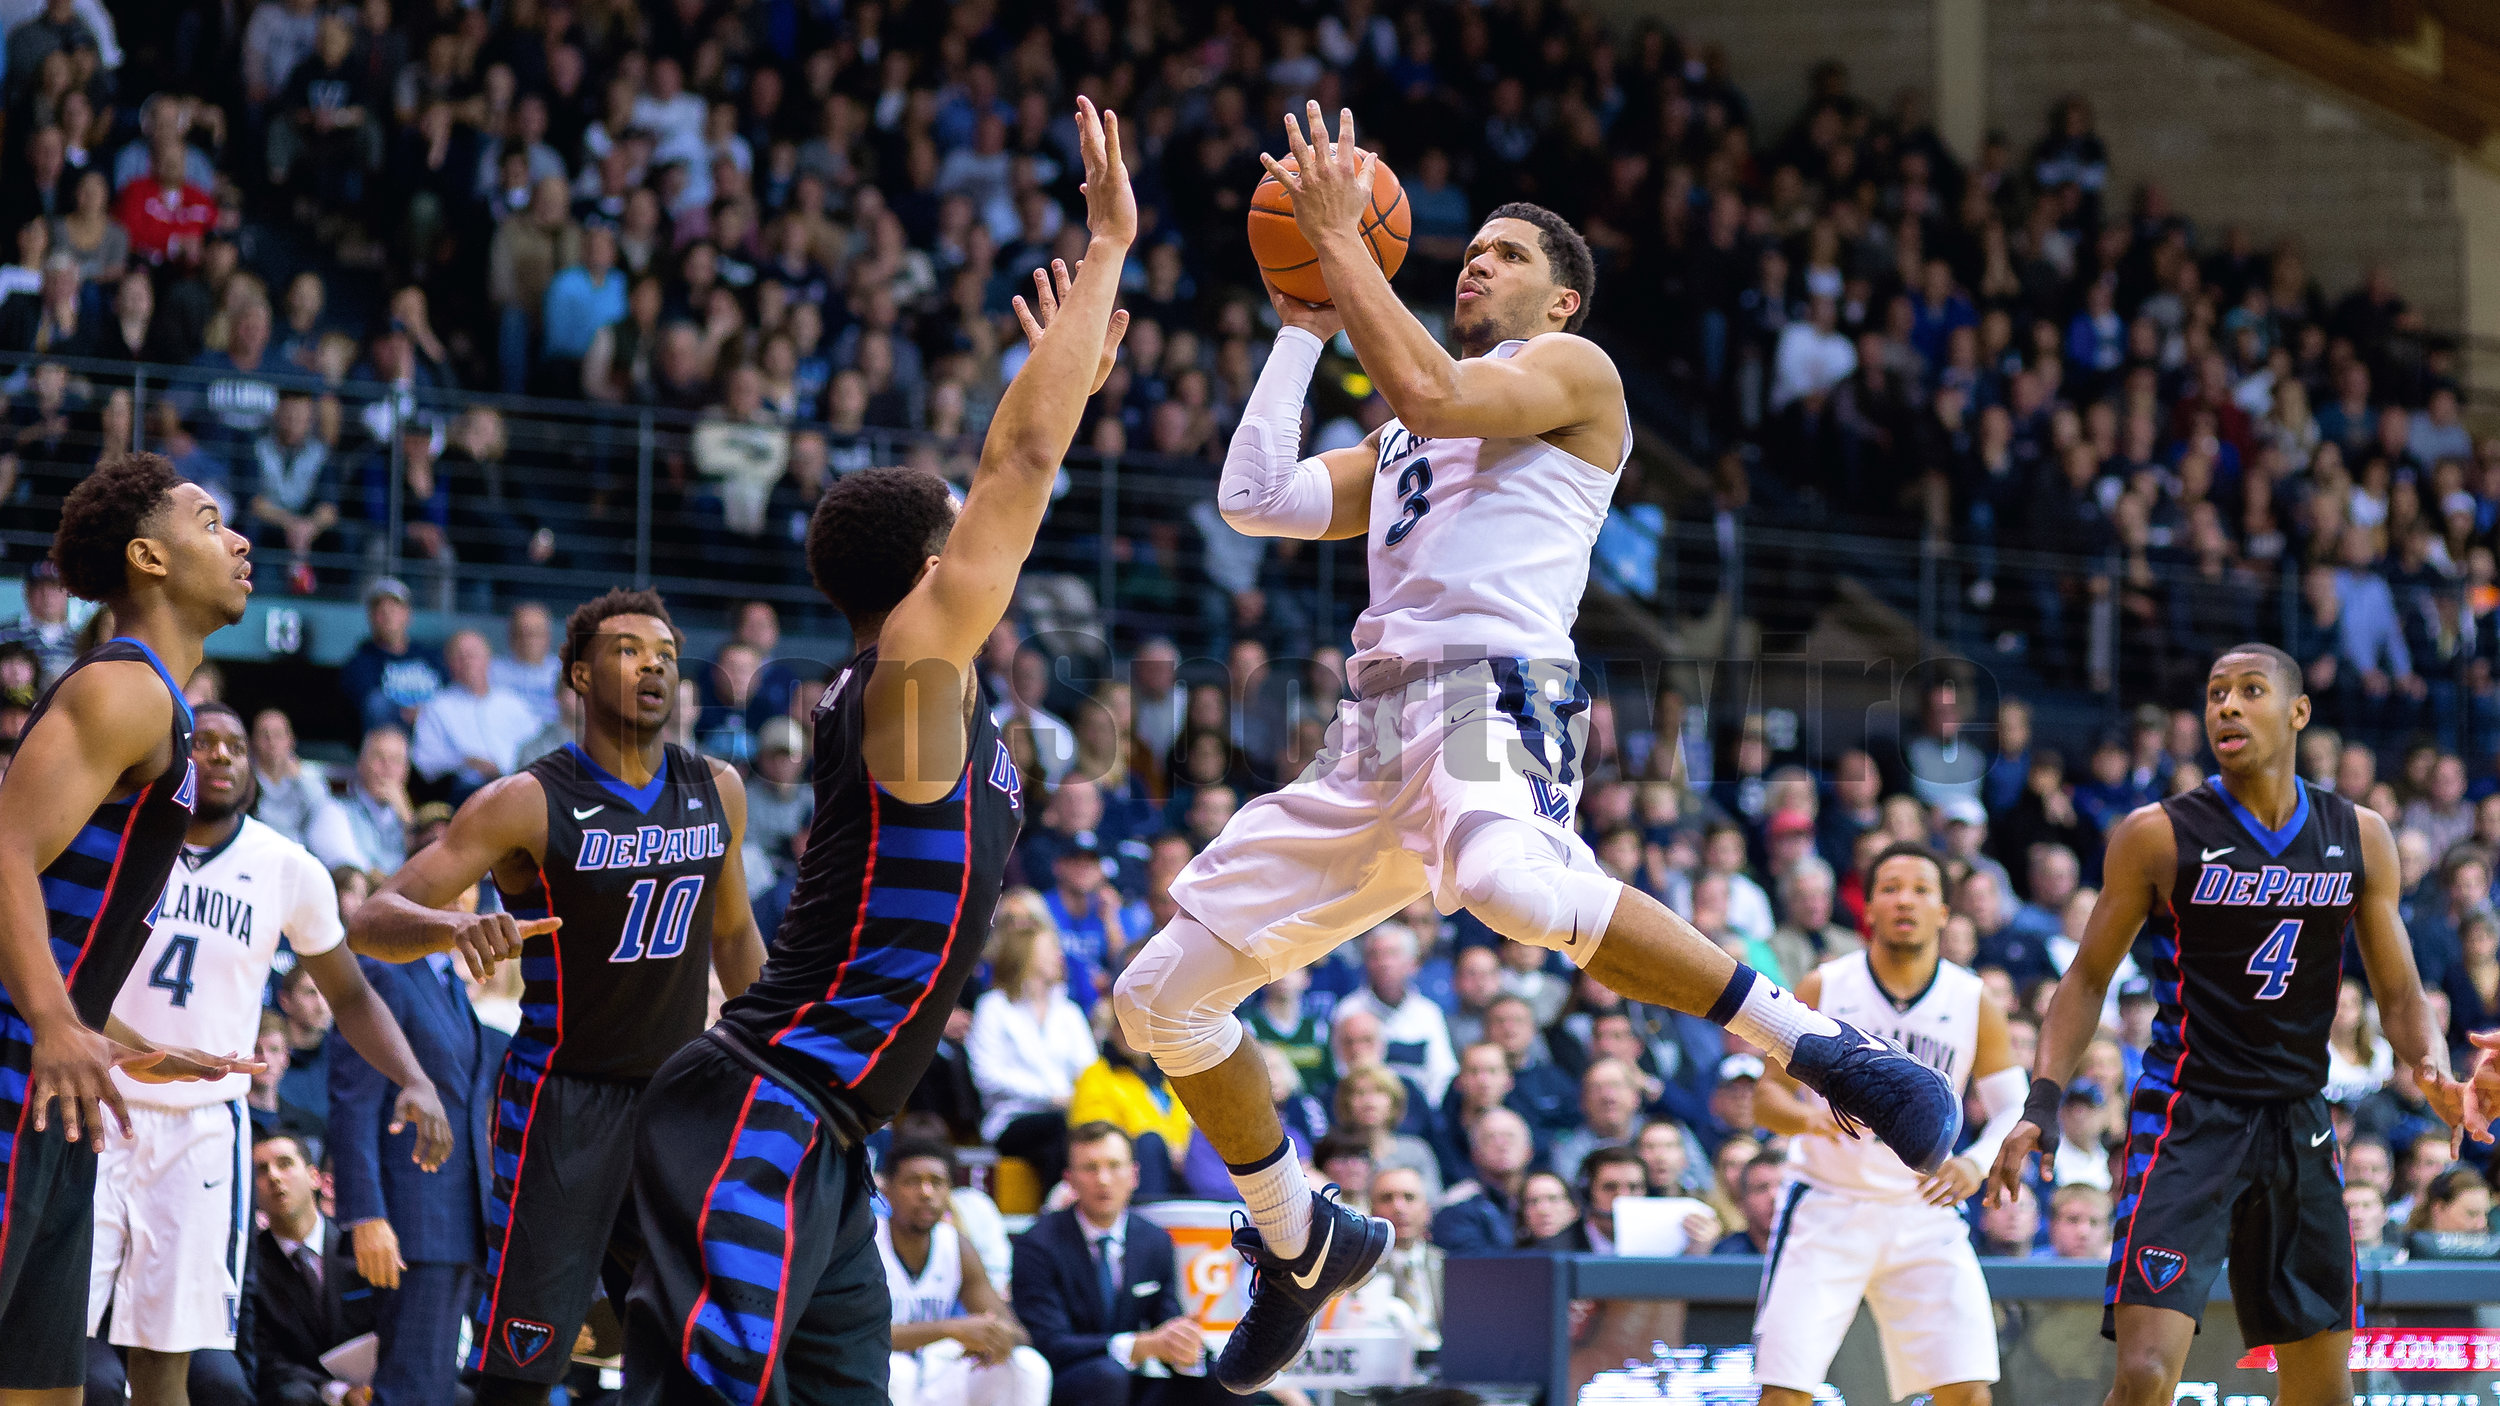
[2040,1110]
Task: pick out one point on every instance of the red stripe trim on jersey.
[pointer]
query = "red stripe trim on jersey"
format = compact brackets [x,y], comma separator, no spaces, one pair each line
[104,904]
[867,881]
[17,1157]
[521,1158]
[789,1231]
[728,1154]
[962,891]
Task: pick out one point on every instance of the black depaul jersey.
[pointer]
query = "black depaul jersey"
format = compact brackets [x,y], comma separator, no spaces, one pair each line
[890,915]
[632,872]
[2246,952]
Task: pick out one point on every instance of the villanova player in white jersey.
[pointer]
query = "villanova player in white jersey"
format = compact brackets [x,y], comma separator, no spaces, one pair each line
[956,1342]
[173,1203]
[1453,772]
[1855,1222]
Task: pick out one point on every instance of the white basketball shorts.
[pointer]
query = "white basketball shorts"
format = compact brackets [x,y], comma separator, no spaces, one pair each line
[173,1221]
[1913,1265]
[1366,830]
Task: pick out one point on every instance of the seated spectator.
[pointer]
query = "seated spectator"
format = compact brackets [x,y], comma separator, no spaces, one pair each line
[1764,1178]
[780,800]
[1098,1289]
[1418,1034]
[1549,1216]
[167,217]
[742,449]
[1484,1083]
[2365,1209]
[389,677]
[2082,1158]
[1480,1212]
[1413,1266]
[307,1296]
[1028,1041]
[1610,1113]
[379,812]
[1125,1089]
[1370,1105]
[295,795]
[955,1338]
[1547,1097]
[1282,1019]
[53,320]
[528,667]
[44,630]
[267,1104]
[1475,979]
[1609,1174]
[2451,1218]
[1668,1156]
[1356,1043]
[2079,1223]
[1807,937]
[295,492]
[470,731]
[2011,1228]
[1097,925]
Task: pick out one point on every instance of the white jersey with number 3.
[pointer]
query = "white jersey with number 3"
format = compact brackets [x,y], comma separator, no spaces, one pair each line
[1479,548]
[198,983]
[1940,1026]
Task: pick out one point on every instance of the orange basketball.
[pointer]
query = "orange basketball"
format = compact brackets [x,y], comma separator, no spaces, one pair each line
[1287,258]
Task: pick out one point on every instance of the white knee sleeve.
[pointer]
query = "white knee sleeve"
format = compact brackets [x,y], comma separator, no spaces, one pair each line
[1519,880]
[1176,1000]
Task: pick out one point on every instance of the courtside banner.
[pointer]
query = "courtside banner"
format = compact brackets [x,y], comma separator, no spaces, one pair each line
[2411,1350]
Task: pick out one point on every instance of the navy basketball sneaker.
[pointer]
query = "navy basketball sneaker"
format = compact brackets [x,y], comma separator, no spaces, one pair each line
[1877,1086]
[1287,1295]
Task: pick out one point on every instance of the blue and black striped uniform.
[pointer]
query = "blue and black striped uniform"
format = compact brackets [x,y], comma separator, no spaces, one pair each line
[605,999]
[761,1281]
[98,898]
[2245,954]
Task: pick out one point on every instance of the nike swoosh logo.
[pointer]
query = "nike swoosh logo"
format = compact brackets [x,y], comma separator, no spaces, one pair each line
[2213,854]
[212,1185]
[2321,1137]
[586,814]
[1318,1261]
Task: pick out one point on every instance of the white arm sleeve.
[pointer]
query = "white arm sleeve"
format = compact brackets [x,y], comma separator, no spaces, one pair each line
[1267,489]
[2001,1094]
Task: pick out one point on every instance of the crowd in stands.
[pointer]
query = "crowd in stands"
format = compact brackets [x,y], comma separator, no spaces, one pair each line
[791,231]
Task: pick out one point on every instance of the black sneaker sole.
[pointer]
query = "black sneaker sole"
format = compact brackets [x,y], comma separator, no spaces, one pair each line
[1377,1238]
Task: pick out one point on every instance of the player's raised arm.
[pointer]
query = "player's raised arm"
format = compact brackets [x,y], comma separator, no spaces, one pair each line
[107,720]
[411,915]
[2387,954]
[1555,383]
[926,644]
[1268,489]
[737,947]
[2143,857]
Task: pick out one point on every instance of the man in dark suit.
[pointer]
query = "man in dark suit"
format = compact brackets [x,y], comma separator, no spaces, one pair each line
[388,1202]
[306,1294]
[1099,1293]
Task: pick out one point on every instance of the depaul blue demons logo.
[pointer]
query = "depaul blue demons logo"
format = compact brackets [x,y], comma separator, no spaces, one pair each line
[187,794]
[2161,1268]
[525,1340]
[1004,776]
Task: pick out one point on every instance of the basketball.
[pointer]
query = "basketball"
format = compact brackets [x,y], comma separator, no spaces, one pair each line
[1288,259]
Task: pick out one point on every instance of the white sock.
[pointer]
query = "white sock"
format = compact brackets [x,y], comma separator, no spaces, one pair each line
[1278,1198]
[1774,1020]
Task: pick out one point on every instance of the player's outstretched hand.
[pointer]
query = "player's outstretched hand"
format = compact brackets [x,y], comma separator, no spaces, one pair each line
[2005,1179]
[1954,1183]
[74,1065]
[176,1065]
[2453,1101]
[1110,203]
[1332,180]
[2482,1084]
[421,1105]
[1049,287]
[377,1253]
[1322,321]
[483,939]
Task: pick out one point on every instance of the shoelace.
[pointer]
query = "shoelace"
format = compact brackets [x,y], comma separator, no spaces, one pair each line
[1330,1192]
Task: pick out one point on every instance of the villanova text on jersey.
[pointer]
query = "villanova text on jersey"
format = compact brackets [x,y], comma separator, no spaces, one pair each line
[2245,952]
[205,907]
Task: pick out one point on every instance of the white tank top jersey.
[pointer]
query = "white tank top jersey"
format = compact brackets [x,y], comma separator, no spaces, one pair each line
[1940,1028]
[199,981]
[938,1293]
[1479,548]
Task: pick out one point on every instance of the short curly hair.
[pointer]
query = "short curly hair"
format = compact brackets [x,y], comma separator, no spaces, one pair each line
[102,515]
[583,624]
[871,532]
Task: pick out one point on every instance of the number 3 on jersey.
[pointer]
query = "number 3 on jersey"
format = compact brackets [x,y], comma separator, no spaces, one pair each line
[669,930]
[2273,960]
[1413,486]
